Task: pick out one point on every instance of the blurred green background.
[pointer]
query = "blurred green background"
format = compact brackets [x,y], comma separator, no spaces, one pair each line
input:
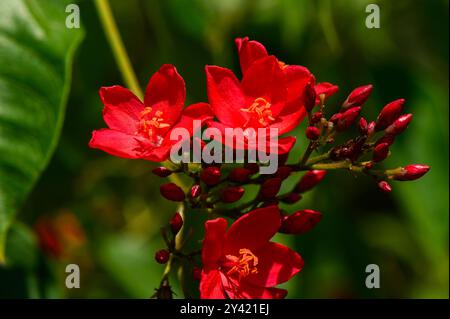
[111,207]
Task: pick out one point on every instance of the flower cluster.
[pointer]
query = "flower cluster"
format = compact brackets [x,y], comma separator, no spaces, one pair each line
[241,261]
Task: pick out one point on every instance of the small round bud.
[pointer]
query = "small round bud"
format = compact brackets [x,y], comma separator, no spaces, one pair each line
[240,175]
[312,133]
[162,256]
[291,198]
[210,175]
[385,187]
[315,118]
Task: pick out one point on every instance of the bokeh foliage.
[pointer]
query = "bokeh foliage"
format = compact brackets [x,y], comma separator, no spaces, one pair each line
[118,203]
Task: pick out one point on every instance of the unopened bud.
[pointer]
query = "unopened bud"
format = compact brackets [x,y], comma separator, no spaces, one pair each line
[380,152]
[176,223]
[240,175]
[232,194]
[389,114]
[210,175]
[399,125]
[196,190]
[270,188]
[300,222]
[371,128]
[312,133]
[162,256]
[161,171]
[172,192]
[292,198]
[335,117]
[309,97]
[315,118]
[411,172]
[348,118]
[385,187]
[358,96]
[309,180]
[253,167]
[362,126]
[164,291]
[283,172]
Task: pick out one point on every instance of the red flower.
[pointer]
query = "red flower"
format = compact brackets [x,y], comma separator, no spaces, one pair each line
[259,101]
[142,130]
[297,76]
[242,262]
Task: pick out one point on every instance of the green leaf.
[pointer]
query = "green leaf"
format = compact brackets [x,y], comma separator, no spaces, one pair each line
[36,52]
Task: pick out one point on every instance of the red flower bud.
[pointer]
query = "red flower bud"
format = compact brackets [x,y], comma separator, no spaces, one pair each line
[385,187]
[161,171]
[371,128]
[270,188]
[389,114]
[368,165]
[210,175]
[197,273]
[162,256]
[388,139]
[312,133]
[292,198]
[362,126]
[399,125]
[380,152]
[253,167]
[358,96]
[239,175]
[300,222]
[411,172]
[309,97]
[232,194]
[172,192]
[315,118]
[348,118]
[283,172]
[196,190]
[335,117]
[176,223]
[309,180]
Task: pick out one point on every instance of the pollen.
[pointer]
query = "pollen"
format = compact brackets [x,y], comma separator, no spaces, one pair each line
[260,109]
[282,65]
[243,265]
[150,126]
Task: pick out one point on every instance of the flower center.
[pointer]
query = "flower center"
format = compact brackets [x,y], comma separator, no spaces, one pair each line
[150,127]
[260,110]
[243,265]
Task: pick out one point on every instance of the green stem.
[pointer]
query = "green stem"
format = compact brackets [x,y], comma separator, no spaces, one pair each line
[117,46]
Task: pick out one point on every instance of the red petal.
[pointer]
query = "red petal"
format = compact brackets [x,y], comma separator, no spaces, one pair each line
[211,285]
[265,79]
[287,122]
[121,108]
[296,79]
[213,243]
[325,88]
[198,111]
[225,95]
[166,92]
[249,52]
[253,230]
[244,290]
[285,144]
[276,264]
[118,143]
